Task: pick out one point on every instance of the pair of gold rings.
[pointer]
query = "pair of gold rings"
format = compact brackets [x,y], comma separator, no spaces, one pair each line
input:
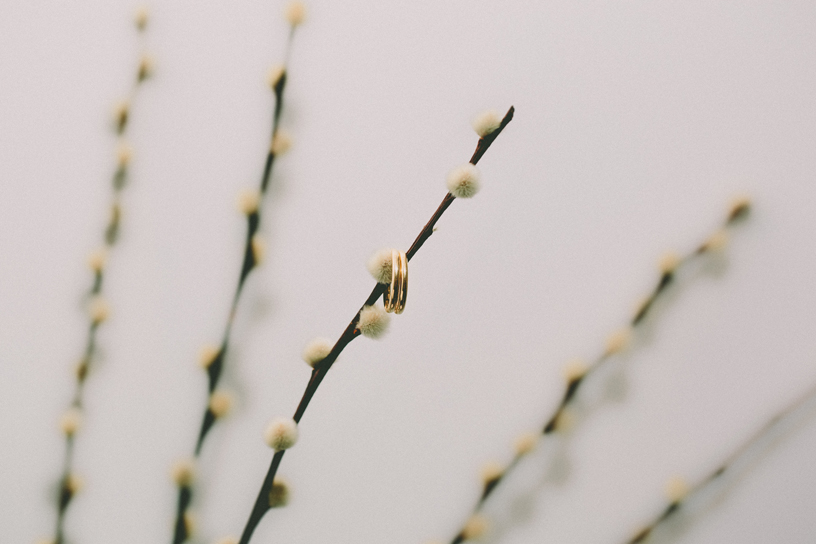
[394,297]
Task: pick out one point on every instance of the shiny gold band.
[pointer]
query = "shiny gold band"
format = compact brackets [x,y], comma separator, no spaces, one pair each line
[397,291]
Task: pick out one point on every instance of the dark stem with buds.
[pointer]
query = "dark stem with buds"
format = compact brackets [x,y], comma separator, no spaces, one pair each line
[350,333]
[67,482]
[249,262]
[574,384]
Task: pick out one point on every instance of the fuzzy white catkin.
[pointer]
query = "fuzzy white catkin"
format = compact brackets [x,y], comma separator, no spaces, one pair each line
[464,181]
[574,370]
[295,13]
[183,472]
[669,262]
[491,471]
[70,421]
[97,259]
[207,355]
[120,111]
[220,403]
[74,483]
[258,248]
[486,122]
[618,341]
[124,153]
[373,321]
[281,434]
[281,142]
[275,74]
[316,350]
[227,540]
[676,489]
[248,201]
[475,527]
[279,494]
[141,17]
[98,309]
[380,265]
[525,443]
[718,241]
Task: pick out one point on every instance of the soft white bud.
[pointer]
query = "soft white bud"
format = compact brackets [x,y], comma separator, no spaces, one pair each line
[146,67]
[618,341]
[373,321]
[491,471]
[227,540]
[141,17]
[281,142]
[74,483]
[717,241]
[475,527]
[220,403]
[279,494]
[97,259]
[669,262]
[248,201]
[258,248]
[183,472]
[281,434]
[676,489]
[317,350]
[464,181]
[124,153]
[207,355]
[574,370]
[120,114]
[70,421]
[295,13]
[525,443]
[98,309]
[380,265]
[486,122]
[275,74]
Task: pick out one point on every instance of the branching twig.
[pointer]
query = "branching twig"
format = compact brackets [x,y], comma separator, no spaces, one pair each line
[577,373]
[680,493]
[70,483]
[251,205]
[352,331]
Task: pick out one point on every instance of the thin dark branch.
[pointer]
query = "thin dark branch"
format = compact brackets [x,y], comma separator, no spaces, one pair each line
[738,453]
[574,384]
[248,265]
[350,333]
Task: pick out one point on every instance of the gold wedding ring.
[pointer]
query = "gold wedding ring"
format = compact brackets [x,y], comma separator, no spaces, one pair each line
[397,291]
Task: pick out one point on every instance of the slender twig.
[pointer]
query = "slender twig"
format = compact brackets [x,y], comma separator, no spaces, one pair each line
[214,361]
[69,482]
[684,493]
[577,373]
[351,332]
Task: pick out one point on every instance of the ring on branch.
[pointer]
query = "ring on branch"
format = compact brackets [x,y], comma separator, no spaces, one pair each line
[394,297]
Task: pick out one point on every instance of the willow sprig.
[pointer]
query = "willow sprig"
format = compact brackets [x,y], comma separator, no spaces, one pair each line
[576,373]
[678,491]
[213,358]
[370,320]
[98,309]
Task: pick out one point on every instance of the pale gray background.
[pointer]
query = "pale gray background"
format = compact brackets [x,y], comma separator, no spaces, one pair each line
[636,123]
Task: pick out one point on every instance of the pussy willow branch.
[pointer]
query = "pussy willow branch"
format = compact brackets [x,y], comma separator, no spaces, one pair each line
[216,366]
[673,506]
[350,333]
[574,383]
[68,485]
